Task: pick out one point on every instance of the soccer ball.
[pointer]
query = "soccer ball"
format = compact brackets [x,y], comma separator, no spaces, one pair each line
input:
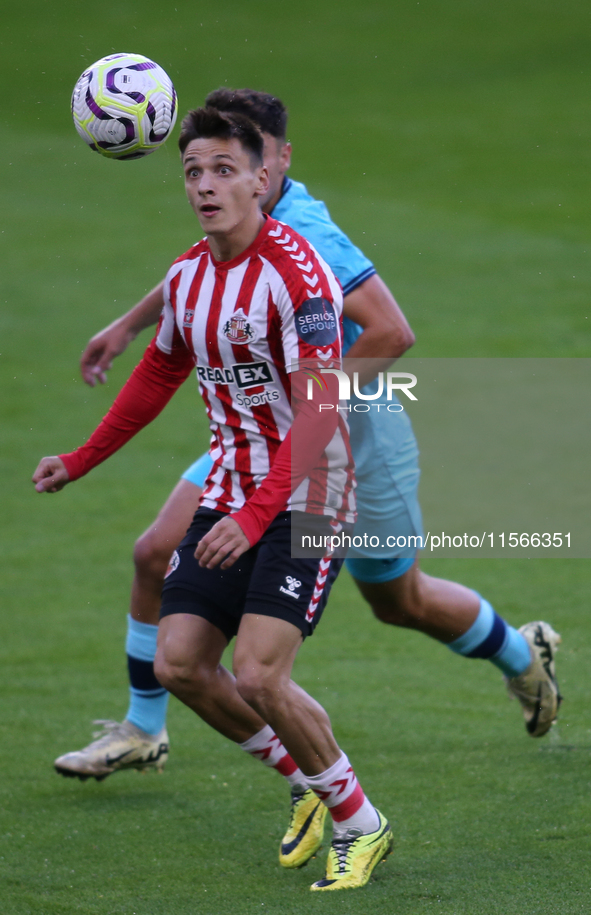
[124,106]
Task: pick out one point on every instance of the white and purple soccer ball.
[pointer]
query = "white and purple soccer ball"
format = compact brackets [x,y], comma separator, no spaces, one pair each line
[124,106]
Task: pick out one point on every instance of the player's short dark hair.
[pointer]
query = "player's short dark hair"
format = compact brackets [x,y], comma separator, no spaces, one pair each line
[209,122]
[267,111]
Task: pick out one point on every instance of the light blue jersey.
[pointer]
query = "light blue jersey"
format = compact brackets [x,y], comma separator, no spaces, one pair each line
[310,218]
[383,444]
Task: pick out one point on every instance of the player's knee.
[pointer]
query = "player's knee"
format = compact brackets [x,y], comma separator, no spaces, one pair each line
[259,687]
[170,675]
[150,555]
[397,608]
[398,601]
[383,613]
[179,676]
[391,613]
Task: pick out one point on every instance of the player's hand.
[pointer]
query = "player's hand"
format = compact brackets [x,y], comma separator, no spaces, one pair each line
[51,475]
[97,358]
[224,543]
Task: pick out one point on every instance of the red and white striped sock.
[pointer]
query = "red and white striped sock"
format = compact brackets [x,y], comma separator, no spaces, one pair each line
[348,806]
[266,746]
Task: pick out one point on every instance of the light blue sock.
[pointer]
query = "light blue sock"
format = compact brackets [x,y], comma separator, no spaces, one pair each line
[478,632]
[148,699]
[492,638]
[515,655]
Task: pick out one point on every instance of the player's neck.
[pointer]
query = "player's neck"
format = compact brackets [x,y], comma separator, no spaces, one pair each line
[228,245]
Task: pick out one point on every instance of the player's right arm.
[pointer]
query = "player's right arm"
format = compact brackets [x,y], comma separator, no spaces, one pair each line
[97,358]
[51,474]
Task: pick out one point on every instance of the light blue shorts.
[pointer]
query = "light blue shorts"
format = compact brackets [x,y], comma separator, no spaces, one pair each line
[198,472]
[387,472]
[376,571]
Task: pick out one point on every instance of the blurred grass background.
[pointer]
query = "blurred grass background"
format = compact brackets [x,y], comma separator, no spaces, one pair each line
[450,140]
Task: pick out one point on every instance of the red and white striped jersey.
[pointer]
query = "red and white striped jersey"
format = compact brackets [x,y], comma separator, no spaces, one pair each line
[247,323]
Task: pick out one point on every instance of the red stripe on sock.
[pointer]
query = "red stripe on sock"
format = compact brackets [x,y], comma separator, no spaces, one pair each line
[286,765]
[349,807]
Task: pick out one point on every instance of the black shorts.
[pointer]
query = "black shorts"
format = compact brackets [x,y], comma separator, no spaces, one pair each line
[265,580]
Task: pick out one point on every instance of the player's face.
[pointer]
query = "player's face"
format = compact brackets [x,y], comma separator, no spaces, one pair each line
[223,186]
[277,157]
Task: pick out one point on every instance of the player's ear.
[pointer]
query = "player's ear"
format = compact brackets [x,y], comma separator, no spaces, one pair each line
[285,157]
[262,186]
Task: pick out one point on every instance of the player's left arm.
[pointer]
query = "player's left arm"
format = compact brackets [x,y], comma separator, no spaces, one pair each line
[222,545]
[386,332]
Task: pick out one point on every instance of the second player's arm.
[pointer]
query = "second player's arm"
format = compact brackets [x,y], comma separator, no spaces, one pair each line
[98,355]
[386,332]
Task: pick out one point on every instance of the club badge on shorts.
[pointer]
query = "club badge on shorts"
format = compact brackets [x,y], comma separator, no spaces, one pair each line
[173,564]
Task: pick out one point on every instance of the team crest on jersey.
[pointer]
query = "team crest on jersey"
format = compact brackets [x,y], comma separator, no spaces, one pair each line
[238,329]
[189,315]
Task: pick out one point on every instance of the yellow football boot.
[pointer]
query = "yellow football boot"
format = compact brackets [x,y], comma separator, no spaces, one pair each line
[352,859]
[305,831]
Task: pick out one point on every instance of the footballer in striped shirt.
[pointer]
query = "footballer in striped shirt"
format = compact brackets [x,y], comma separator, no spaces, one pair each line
[245,306]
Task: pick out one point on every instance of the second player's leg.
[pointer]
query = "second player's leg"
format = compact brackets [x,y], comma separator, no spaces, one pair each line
[460,618]
[442,609]
[141,738]
[154,548]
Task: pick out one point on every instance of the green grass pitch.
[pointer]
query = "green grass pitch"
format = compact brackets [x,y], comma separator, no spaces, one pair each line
[451,141]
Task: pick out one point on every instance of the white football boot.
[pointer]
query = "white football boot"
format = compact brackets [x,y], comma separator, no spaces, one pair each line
[120,745]
[537,688]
